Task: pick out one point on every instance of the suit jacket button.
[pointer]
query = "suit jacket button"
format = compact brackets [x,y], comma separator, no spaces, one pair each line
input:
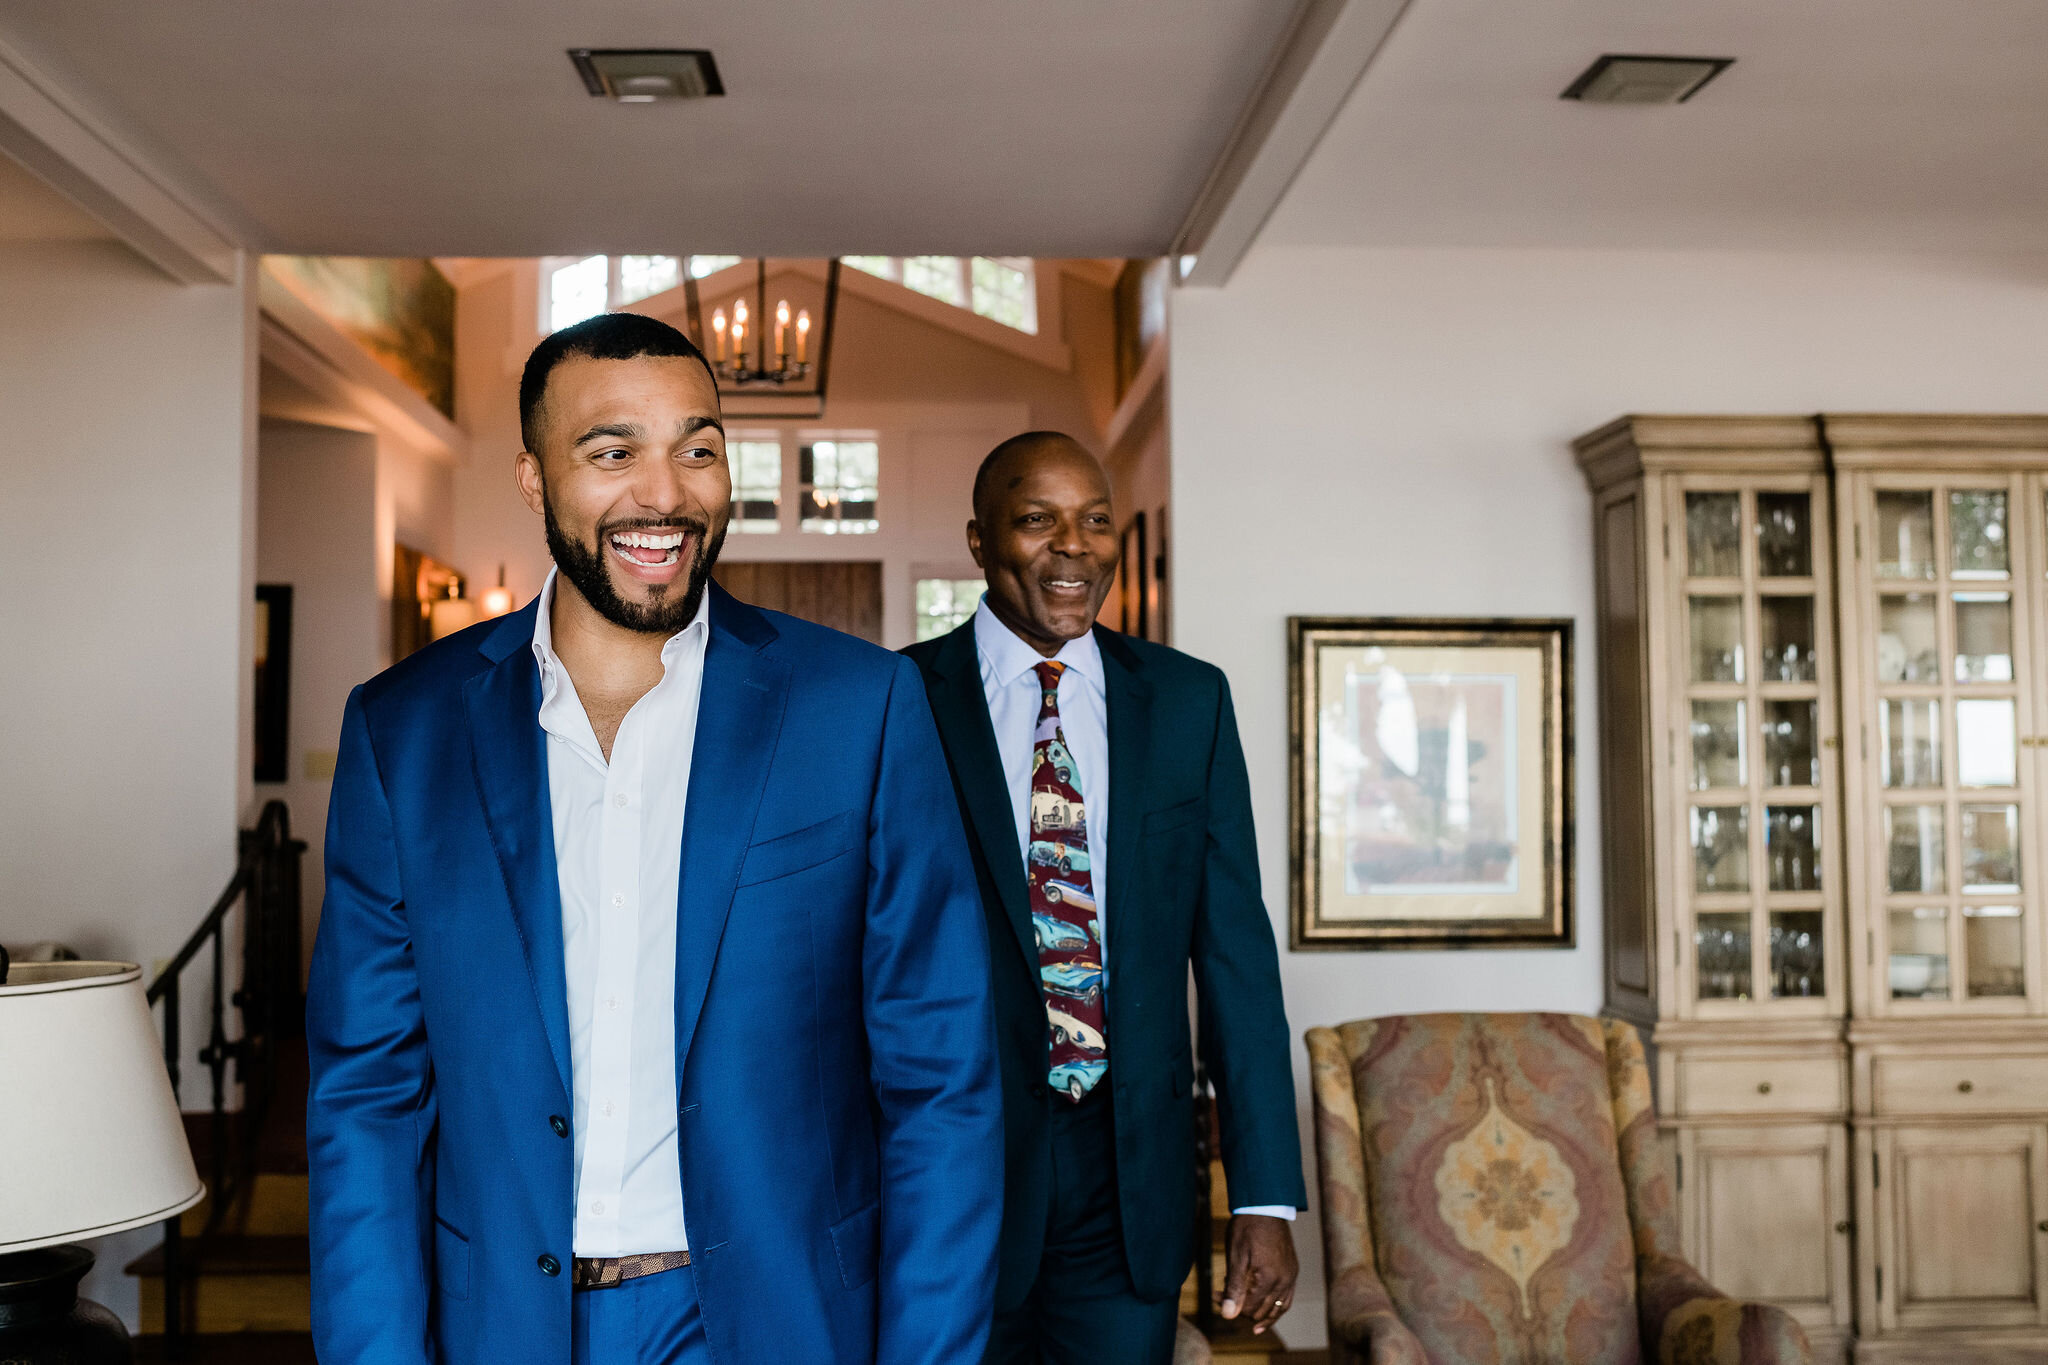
[549,1265]
[559,1124]
[1038,1090]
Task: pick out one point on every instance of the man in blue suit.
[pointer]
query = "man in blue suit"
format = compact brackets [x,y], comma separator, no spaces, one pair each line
[649,1014]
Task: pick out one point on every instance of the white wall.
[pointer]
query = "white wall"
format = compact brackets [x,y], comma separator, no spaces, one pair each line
[316,530]
[126,563]
[1387,432]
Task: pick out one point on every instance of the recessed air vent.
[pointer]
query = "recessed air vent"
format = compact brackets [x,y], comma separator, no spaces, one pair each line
[1618,79]
[642,76]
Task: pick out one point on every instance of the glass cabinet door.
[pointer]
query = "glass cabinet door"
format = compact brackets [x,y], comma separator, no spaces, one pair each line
[1951,796]
[1756,672]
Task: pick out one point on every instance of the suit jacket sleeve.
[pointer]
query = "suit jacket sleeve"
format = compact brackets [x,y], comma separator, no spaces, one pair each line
[370,1114]
[931,1038]
[1245,1043]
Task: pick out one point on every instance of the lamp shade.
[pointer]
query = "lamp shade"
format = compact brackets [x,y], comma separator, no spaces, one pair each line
[90,1137]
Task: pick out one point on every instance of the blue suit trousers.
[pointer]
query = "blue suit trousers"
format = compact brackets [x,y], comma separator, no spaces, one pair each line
[649,1321]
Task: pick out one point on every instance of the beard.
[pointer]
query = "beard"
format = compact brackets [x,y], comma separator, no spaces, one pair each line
[668,612]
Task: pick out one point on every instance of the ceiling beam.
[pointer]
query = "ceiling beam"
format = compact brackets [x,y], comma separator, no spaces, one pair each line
[55,141]
[1326,49]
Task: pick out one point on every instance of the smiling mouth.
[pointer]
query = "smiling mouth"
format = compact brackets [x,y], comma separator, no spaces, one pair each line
[1066,587]
[645,550]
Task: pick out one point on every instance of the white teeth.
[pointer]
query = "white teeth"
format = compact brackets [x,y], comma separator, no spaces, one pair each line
[639,540]
[1066,583]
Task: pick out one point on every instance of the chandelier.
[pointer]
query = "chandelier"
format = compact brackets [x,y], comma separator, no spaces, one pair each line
[768,354]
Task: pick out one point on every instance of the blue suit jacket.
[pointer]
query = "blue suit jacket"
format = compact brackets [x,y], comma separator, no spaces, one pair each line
[841,1125]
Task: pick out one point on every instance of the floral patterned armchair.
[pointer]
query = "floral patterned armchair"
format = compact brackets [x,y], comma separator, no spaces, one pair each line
[1493,1193]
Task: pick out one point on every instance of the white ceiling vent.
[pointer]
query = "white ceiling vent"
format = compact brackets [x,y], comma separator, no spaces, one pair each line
[645,75]
[1617,79]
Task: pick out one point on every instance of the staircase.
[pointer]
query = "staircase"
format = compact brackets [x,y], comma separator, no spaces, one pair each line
[246,1288]
[231,1280]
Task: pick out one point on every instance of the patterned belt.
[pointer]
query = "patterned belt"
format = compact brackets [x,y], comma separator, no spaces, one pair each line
[605,1272]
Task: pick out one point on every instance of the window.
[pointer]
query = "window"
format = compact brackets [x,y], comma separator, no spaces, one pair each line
[756,484]
[700,266]
[943,604]
[575,288]
[935,276]
[840,486]
[1002,293]
[1000,288]
[642,277]
[575,291]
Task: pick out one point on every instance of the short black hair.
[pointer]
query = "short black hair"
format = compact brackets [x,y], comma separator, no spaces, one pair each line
[608,336]
[1017,444]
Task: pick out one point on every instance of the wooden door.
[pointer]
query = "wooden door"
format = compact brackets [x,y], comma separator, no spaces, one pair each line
[845,595]
[1960,1211]
[1765,1211]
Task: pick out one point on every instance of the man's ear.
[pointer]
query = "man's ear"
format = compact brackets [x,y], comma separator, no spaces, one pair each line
[974,542]
[532,487]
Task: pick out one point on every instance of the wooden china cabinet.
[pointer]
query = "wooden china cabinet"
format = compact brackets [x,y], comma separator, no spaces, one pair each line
[1823,655]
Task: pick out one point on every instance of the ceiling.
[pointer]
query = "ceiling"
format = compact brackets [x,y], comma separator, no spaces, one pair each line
[1872,125]
[31,211]
[459,128]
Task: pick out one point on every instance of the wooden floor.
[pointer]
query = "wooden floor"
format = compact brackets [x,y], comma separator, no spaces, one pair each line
[233,1348]
[264,1348]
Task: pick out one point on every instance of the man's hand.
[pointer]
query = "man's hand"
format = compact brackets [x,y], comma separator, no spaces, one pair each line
[1260,1280]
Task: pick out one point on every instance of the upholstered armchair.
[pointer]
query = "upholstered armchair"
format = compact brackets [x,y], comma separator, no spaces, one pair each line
[1493,1193]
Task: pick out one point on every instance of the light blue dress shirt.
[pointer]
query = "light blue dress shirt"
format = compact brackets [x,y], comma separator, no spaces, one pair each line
[1011,686]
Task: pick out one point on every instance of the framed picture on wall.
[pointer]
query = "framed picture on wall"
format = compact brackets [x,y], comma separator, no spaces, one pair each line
[1431,767]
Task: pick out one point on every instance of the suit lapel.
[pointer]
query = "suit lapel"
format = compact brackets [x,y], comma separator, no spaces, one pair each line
[509,750]
[739,719]
[1129,698]
[960,708]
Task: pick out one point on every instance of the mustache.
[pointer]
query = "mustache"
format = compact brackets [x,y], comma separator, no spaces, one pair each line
[696,526]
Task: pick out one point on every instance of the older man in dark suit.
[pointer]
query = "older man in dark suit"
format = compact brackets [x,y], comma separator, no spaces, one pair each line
[1107,804]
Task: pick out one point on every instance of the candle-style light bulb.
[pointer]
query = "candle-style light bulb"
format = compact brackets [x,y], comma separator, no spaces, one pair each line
[803,333]
[781,330]
[739,334]
[718,335]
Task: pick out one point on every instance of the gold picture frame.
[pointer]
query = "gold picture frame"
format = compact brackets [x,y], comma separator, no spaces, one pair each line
[1394,845]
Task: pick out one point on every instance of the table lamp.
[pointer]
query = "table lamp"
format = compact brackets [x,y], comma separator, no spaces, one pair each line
[90,1143]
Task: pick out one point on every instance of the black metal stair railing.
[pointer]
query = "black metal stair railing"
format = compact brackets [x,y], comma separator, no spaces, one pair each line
[272,1007]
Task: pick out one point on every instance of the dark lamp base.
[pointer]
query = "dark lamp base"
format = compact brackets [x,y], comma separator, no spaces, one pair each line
[42,1319]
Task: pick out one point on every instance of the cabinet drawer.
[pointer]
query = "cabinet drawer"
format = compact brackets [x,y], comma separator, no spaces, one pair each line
[1921,1085]
[1759,1085]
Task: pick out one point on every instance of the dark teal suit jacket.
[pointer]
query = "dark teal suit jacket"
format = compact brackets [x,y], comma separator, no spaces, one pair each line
[1183,890]
[837,1095]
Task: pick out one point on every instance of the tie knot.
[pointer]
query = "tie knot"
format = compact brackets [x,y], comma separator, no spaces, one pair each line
[1049,674]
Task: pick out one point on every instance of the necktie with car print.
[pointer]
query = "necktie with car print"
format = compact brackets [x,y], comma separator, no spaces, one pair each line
[1063,910]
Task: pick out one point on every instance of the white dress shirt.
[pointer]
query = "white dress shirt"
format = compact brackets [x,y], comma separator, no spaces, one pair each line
[1010,683]
[618,853]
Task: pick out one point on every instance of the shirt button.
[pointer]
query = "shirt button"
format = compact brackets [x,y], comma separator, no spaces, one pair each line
[559,1124]
[607,1108]
[549,1265]
[618,898]
[598,1207]
[611,1002]
[619,800]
